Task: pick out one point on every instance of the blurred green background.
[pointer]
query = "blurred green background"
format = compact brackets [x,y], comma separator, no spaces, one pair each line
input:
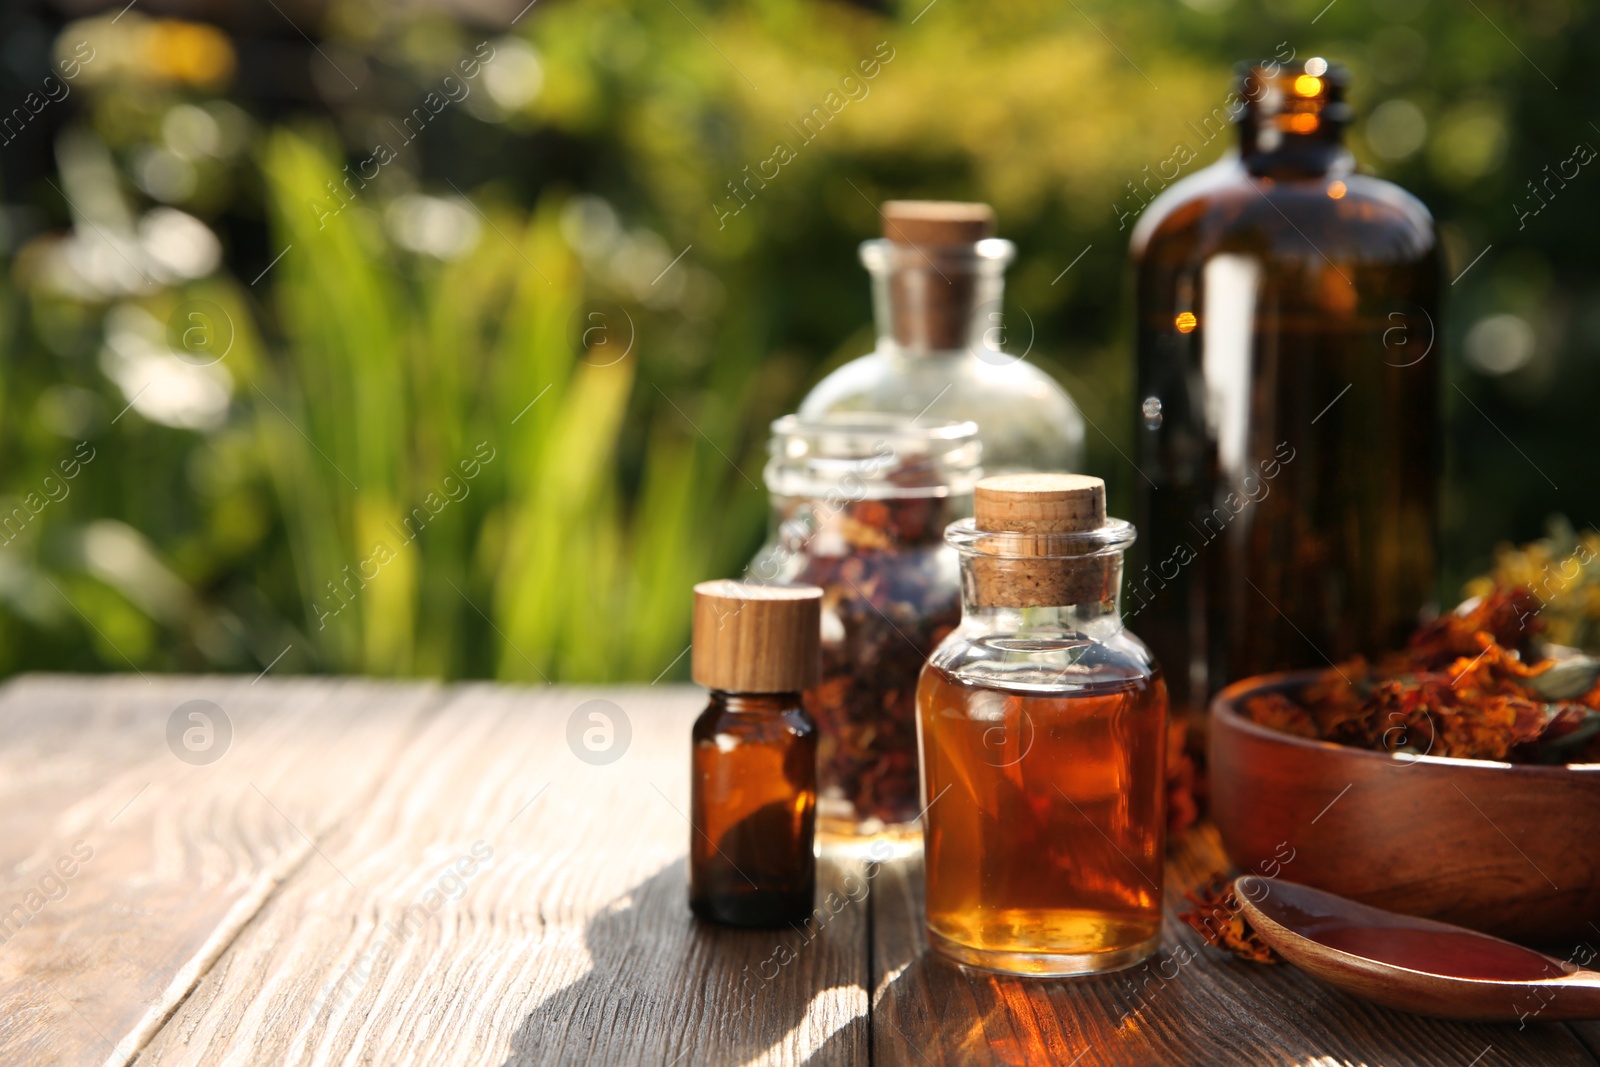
[425,339]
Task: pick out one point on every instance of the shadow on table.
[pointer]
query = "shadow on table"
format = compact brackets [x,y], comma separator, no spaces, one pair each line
[662,985]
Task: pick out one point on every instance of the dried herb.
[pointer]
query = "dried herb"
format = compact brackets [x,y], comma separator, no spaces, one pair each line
[1218,917]
[1471,685]
[1507,616]
[890,595]
[1182,808]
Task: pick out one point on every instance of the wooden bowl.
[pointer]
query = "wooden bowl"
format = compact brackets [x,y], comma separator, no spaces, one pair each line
[1511,850]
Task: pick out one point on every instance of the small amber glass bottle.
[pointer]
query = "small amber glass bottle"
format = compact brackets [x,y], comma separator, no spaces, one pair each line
[754,778]
[1042,725]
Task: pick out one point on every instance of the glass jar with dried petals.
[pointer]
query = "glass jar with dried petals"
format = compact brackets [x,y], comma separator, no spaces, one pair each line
[860,503]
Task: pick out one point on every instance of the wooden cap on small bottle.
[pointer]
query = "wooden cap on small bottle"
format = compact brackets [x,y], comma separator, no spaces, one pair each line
[936,223]
[756,638]
[1036,572]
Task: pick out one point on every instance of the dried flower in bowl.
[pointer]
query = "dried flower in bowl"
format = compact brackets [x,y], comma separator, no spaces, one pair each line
[1470,685]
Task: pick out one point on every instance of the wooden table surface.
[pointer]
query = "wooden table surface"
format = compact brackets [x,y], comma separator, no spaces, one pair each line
[410,873]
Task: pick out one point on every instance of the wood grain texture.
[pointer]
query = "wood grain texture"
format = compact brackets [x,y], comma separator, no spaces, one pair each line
[573,943]
[167,859]
[1190,1005]
[467,889]
[1589,1035]
[756,638]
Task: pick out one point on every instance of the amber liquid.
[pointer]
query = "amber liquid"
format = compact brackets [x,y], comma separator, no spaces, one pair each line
[1046,824]
[753,800]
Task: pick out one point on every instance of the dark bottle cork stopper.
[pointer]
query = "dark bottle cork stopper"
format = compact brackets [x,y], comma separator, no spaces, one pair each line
[756,638]
[932,283]
[936,223]
[1044,571]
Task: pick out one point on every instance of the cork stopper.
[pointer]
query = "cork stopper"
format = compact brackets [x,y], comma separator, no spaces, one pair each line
[1040,503]
[933,289]
[936,223]
[756,638]
[1047,570]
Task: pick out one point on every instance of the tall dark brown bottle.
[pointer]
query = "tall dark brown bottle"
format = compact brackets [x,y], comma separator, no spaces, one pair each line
[1288,374]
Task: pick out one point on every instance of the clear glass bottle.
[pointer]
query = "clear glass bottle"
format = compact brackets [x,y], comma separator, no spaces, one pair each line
[1288,369]
[860,503]
[753,783]
[1042,725]
[938,278]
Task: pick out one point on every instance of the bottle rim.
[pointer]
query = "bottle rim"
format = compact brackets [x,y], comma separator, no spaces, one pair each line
[1274,93]
[990,256]
[872,455]
[1111,538]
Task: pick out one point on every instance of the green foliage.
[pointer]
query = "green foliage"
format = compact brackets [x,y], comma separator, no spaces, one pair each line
[444,436]
[364,372]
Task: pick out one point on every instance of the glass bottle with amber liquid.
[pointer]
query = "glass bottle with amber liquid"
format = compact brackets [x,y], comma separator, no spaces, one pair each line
[753,790]
[1288,374]
[1042,725]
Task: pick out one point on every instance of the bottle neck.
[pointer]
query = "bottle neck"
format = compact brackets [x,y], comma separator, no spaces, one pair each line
[1098,618]
[1096,621]
[938,299]
[1293,121]
[753,703]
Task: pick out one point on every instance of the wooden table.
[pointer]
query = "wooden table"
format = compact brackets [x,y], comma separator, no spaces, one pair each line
[409,873]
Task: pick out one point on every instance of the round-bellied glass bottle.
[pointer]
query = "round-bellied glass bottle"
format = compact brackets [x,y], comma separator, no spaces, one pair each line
[938,275]
[1042,725]
[753,792]
[1288,378]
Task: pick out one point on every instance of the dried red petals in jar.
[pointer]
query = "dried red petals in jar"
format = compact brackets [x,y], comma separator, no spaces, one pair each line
[860,504]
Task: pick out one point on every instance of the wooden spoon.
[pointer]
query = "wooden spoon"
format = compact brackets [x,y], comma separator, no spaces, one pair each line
[1416,965]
